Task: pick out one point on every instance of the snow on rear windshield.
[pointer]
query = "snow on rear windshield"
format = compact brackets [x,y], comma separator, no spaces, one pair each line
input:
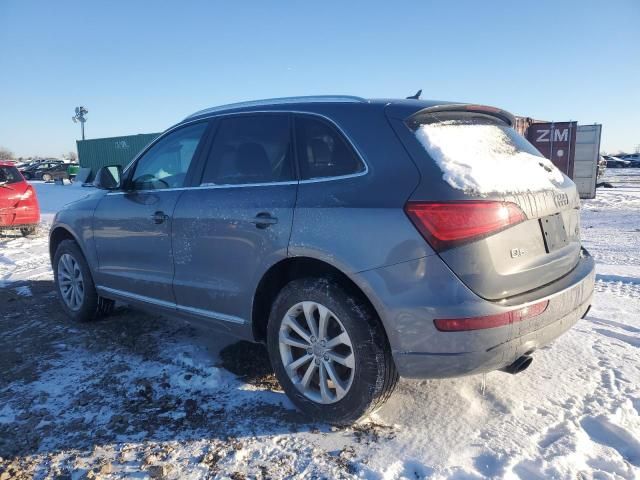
[484,158]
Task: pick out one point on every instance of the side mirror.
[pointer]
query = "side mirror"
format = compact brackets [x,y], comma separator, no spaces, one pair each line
[109,178]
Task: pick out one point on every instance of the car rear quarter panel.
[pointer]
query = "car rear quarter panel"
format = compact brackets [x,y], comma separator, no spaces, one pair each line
[358,223]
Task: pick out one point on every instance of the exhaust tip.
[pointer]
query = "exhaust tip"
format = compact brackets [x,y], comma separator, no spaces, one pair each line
[520,365]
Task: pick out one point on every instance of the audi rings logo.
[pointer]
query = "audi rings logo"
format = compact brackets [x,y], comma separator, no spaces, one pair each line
[561,199]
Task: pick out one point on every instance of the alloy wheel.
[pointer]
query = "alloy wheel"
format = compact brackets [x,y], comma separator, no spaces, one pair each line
[70,282]
[317,352]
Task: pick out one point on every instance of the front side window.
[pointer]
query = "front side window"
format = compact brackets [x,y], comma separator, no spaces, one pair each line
[323,151]
[166,163]
[250,149]
[9,175]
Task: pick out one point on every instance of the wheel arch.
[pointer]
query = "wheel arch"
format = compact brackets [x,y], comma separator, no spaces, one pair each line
[57,235]
[293,268]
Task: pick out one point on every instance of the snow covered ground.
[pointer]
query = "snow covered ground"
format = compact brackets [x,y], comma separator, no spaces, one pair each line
[137,396]
[28,259]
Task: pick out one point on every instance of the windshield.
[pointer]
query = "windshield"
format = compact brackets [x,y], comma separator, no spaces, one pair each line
[482,154]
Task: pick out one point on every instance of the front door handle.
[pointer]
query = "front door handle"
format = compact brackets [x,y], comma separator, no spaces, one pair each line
[159,217]
[264,219]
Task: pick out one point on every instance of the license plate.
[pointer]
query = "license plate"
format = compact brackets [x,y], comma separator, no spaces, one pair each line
[554,232]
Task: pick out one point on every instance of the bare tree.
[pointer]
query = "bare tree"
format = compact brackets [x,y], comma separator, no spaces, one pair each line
[6,154]
[71,156]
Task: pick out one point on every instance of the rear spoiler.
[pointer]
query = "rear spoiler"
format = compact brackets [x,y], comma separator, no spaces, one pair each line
[466,107]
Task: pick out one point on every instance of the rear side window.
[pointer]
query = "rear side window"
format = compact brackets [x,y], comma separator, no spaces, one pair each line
[250,149]
[9,175]
[323,151]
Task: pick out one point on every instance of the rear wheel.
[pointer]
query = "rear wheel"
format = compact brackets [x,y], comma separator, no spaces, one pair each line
[329,351]
[47,177]
[25,231]
[74,284]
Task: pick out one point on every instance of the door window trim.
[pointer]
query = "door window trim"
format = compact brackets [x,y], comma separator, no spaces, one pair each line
[345,138]
[215,125]
[129,170]
[208,140]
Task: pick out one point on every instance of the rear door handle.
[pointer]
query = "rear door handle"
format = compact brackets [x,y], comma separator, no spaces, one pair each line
[159,217]
[264,219]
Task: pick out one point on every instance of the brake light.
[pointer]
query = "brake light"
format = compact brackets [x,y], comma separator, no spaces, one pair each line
[490,321]
[445,225]
[28,193]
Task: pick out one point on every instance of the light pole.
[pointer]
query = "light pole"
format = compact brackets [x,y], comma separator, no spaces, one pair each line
[79,117]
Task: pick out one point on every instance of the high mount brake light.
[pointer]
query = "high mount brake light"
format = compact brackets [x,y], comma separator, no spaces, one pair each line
[447,224]
[490,321]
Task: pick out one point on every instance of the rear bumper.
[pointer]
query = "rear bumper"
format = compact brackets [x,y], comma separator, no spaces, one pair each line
[19,217]
[429,365]
[421,351]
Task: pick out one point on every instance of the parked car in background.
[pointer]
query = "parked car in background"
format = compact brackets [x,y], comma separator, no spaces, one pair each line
[615,162]
[19,207]
[72,170]
[633,159]
[324,227]
[35,171]
[28,163]
[60,171]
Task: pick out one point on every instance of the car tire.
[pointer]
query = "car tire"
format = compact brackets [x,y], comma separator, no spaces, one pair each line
[47,177]
[74,284]
[365,373]
[25,231]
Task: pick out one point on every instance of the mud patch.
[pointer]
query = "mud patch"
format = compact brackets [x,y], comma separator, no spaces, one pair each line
[250,362]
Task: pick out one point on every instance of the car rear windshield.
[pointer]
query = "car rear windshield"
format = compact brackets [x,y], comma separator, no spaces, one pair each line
[9,174]
[481,153]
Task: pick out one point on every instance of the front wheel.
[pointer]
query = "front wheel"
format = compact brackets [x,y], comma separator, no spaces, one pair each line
[47,177]
[74,284]
[329,351]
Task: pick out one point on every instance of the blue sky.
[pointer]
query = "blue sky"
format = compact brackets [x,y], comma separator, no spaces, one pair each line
[140,66]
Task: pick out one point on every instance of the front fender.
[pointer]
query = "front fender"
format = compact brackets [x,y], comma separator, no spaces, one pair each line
[76,219]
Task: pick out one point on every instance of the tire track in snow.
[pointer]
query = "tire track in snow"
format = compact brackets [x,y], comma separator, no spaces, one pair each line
[628,287]
[606,433]
[605,416]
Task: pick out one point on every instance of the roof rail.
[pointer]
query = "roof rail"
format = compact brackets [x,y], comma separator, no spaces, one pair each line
[282,101]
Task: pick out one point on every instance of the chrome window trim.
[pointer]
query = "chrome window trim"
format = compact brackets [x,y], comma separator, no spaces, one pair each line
[207,187]
[157,139]
[250,112]
[174,306]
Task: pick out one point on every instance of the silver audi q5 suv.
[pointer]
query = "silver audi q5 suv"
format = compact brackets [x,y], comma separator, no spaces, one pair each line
[360,240]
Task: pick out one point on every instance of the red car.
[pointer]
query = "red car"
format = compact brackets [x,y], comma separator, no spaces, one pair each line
[18,201]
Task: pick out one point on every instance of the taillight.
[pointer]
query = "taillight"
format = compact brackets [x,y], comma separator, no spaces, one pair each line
[490,321]
[447,224]
[28,193]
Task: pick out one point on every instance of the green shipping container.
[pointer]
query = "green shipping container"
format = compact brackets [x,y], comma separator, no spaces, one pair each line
[100,152]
